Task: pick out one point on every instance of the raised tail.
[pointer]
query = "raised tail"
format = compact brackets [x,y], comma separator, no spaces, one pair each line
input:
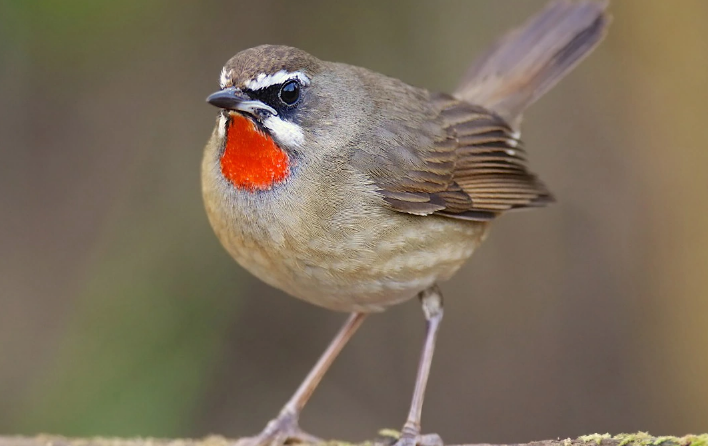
[528,61]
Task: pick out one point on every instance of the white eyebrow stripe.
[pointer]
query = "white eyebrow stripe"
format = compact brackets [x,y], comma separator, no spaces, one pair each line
[265,81]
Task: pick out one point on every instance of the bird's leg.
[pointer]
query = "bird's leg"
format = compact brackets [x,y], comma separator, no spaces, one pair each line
[284,429]
[432,302]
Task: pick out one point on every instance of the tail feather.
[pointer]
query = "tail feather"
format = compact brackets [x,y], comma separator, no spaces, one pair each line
[528,61]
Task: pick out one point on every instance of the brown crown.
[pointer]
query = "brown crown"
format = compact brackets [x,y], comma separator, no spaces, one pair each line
[268,59]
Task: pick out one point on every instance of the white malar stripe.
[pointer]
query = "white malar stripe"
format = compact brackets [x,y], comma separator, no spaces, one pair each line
[284,132]
[279,77]
[221,126]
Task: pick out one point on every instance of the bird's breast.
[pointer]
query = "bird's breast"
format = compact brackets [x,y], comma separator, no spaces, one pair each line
[363,263]
[326,236]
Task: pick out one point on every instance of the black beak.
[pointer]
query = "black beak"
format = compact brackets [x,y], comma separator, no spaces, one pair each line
[233,98]
[228,98]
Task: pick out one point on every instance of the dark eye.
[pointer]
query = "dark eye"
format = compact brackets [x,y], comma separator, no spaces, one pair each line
[290,92]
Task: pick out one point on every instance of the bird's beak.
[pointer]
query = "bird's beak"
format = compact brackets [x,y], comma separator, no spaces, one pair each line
[233,98]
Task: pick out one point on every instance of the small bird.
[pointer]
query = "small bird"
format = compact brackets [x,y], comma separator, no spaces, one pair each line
[355,191]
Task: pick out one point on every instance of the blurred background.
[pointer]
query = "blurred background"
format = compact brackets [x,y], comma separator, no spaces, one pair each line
[120,313]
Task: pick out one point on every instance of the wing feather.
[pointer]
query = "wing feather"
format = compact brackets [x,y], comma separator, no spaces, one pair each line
[444,155]
[475,170]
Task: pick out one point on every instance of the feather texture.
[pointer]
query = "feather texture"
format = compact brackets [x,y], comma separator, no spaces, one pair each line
[476,168]
[474,172]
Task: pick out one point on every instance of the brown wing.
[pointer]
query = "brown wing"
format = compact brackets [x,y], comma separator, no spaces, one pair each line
[474,171]
[469,163]
[490,162]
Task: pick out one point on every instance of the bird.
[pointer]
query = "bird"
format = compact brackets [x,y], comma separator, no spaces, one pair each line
[355,191]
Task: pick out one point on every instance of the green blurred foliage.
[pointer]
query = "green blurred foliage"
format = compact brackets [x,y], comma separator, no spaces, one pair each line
[134,361]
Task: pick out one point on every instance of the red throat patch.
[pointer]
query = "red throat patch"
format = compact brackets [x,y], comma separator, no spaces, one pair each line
[251,160]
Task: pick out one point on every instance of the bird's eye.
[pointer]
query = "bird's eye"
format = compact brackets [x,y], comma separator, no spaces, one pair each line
[290,92]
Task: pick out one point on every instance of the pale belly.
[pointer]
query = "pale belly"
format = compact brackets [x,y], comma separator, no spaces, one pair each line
[345,252]
[385,259]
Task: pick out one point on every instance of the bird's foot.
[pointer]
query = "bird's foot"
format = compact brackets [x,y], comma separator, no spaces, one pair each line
[411,437]
[419,440]
[283,430]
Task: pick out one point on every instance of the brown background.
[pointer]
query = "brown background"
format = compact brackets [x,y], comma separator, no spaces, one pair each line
[120,314]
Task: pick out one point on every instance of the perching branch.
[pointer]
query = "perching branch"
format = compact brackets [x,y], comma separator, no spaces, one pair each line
[639,439]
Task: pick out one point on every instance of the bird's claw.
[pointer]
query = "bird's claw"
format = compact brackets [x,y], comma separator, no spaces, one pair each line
[419,440]
[411,438]
[283,430]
